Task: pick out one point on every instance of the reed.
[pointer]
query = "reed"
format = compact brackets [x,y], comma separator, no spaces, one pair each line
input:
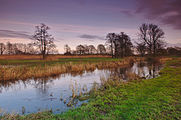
[23,72]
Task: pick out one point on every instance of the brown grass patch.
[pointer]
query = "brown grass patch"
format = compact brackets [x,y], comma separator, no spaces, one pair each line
[49,57]
[38,71]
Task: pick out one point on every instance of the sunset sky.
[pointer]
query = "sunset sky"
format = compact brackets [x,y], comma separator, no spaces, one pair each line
[75,22]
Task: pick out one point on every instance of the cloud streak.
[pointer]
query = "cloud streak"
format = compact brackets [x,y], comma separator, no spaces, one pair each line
[14,34]
[167,12]
[86,36]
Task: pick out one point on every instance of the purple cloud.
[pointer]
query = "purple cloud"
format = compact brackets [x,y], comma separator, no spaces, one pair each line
[15,34]
[86,36]
[166,11]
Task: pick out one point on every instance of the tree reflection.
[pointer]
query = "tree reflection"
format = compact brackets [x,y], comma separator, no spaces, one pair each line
[142,70]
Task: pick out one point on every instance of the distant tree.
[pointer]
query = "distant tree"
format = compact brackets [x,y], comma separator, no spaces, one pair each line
[74,52]
[43,39]
[162,51]
[120,44]
[152,36]
[9,48]
[92,49]
[20,48]
[174,50]
[31,49]
[80,49]
[108,50]
[86,49]
[111,37]
[51,49]
[15,49]
[124,45]
[67,50]
[141,48]
[101,49]
[2,48]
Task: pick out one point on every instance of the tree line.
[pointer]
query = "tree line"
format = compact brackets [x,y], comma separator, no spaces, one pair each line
[21,48]
[150,42]
[86,50]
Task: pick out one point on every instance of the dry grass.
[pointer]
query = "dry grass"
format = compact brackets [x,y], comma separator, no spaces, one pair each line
[20,57]
[38,71]
[165,59]
[49,57]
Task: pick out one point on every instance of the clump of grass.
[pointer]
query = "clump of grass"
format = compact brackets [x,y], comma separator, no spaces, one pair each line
[11,116]
[132,76]
[23,110]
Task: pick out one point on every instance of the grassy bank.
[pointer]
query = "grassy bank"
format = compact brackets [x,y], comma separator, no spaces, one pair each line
[26,69]
[158,99]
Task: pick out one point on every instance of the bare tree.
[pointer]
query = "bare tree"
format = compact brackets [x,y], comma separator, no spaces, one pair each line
[101,49]
[51,49]
[141,48]
[31,49]
[9,48]
[2,48]
[92,49]
[43,39]
[80,49]
[124,45]
[86,49]
[67,50]
[15,49]
[20,48]
[152,36]
[111,37]
[120,44]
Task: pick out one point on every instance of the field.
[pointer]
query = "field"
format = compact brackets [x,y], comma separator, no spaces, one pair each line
[37,59]
[49,57]
[157,98]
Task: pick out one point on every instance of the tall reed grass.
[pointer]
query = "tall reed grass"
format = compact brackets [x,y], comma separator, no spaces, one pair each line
[39,71]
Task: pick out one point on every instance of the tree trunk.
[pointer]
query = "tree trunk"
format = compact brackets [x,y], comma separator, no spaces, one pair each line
[154,49]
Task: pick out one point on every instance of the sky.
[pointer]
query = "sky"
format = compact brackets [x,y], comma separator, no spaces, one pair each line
[75,22]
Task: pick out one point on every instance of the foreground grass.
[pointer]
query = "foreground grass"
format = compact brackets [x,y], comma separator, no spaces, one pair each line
[158,98]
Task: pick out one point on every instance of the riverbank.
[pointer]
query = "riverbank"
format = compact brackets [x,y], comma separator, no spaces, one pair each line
[157,98]
[28,69]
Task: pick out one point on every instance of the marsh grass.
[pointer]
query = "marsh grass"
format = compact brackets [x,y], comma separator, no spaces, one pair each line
[78,94]
[23,72]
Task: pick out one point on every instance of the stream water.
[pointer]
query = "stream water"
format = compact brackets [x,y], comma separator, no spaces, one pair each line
[31,96]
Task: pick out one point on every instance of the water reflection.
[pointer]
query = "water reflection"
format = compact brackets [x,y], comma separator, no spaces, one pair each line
[57,93]
[142,70]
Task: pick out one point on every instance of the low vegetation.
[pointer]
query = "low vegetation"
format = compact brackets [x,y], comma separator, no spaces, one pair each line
[27,69]
[157,98]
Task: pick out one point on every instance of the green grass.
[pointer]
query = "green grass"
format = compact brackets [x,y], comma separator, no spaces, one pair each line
[60,61]
[158,98]
[153,99]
